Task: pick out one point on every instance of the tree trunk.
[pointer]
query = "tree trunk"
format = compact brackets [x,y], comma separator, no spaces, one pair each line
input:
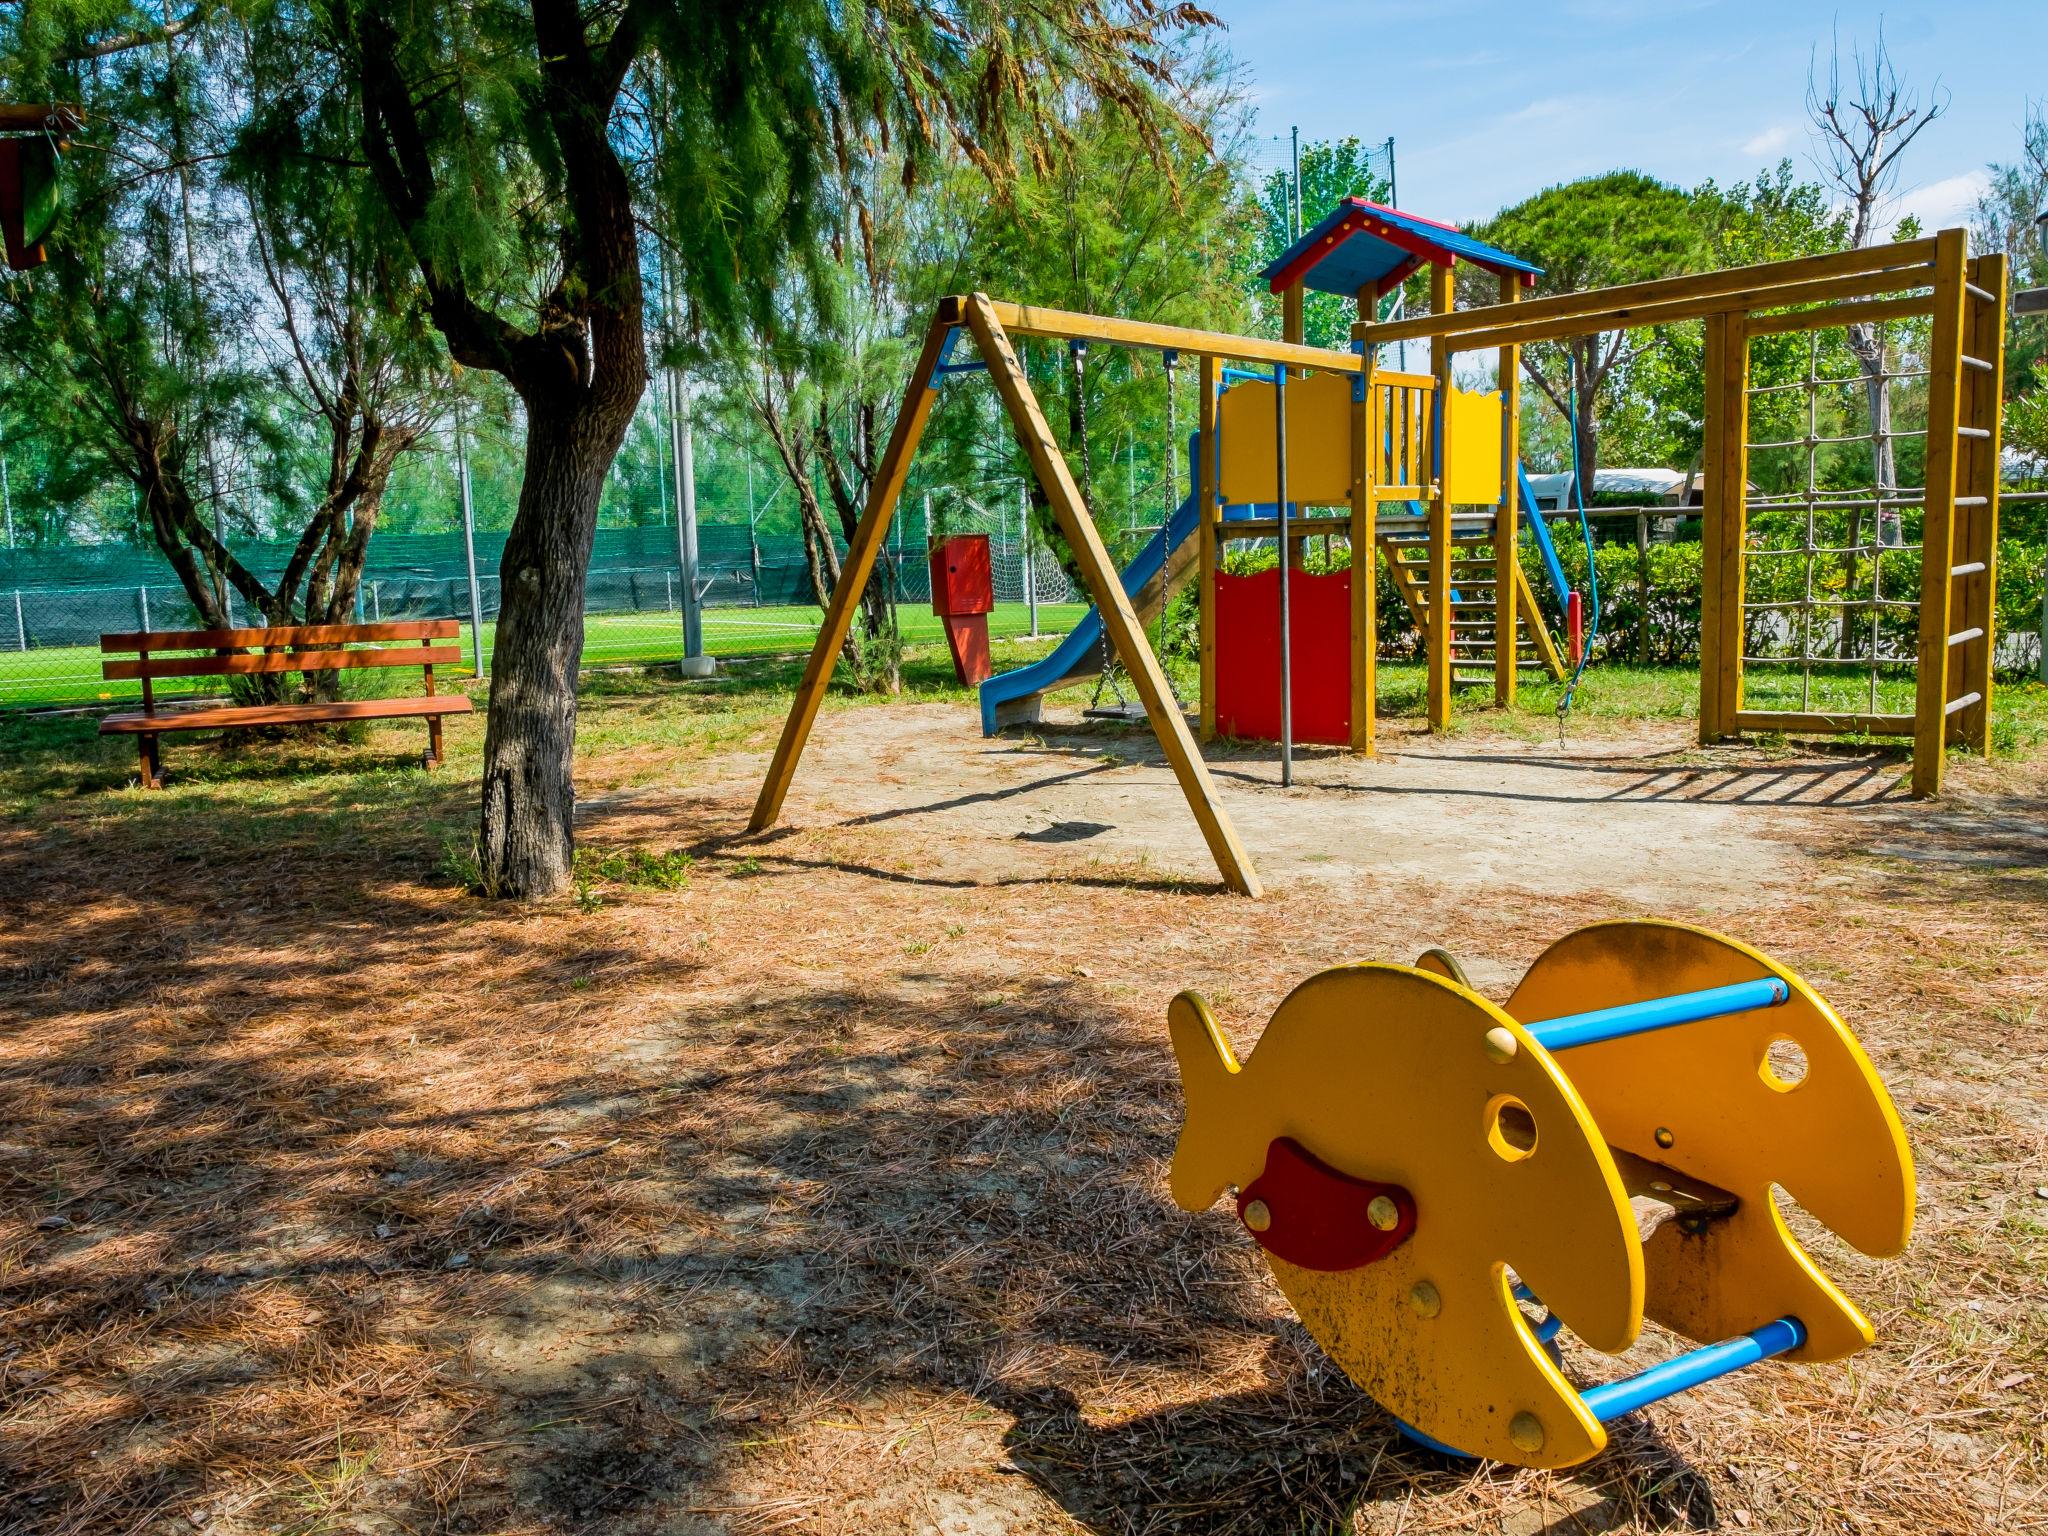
[526,844]
[1868,348]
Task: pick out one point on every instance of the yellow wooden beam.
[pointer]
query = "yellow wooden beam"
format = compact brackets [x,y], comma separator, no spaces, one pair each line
[1976,540]
[1532,620]
[854,572]
[1746,301]
[1365,612]
[1735,524]
[1589,308]
[1105,587]
[1713,526]
[1828,316]
[1507,532]
[1442,297]
[1821,722]
[1071,325]
[1938,502]
[1207,513]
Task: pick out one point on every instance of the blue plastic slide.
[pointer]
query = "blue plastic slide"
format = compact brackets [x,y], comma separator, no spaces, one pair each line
[1010,698]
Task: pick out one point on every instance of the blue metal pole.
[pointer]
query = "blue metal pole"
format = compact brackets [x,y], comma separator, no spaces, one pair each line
[1561,1034]
[1612,1399]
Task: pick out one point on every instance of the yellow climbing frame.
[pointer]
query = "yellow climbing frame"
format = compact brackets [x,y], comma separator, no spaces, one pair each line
[1964,300]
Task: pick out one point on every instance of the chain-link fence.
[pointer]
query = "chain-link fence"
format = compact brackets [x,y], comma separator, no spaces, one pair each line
[756,592]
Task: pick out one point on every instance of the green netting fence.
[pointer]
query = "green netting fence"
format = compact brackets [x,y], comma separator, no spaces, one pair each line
[755,590]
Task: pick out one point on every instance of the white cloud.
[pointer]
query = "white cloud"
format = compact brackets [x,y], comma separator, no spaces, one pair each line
[1948,202]
[1770,141]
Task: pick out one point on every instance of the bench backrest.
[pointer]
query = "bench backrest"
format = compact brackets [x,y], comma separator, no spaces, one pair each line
[294,648]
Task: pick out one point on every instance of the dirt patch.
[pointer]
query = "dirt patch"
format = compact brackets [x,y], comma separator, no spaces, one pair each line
[827,1192]
[1651,820]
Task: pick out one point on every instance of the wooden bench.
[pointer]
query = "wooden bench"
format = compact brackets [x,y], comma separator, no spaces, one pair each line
[301,648]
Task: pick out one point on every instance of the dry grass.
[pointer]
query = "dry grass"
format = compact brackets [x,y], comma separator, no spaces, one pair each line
[821,1195]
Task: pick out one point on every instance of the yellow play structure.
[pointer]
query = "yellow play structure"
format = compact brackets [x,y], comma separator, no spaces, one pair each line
[1424,1171]
[1334,445]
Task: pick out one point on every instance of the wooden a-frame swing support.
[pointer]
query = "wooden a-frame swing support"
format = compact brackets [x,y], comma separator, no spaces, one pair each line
[992,324]
[1935,277]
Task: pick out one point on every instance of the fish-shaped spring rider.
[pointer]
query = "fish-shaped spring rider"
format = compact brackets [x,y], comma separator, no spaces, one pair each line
[1426,1170]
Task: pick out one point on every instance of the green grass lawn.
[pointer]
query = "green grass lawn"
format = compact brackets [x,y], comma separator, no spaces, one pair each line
[48,758]
[71,674]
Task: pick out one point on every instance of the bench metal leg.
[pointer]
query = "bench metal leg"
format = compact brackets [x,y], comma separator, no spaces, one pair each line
[152,767]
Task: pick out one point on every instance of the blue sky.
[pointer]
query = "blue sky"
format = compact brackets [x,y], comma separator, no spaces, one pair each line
[1489,102]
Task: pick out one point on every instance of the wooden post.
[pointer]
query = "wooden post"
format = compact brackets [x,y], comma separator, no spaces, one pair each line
[1104,586]
[1507,529]
[1290,314]
[1976,541]
[1724,519]
[1206,514]
[1365,559]
[1735,524]
[1937,527]
[1442,296]
[1714,463]
[854,572]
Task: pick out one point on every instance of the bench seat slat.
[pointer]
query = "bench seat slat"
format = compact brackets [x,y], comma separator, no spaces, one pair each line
[293,635]
[288,661]
[235,715]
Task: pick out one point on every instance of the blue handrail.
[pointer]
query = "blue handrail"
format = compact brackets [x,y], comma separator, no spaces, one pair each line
[1561,1034]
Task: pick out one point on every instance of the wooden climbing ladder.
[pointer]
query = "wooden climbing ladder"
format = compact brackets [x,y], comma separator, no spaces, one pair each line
[1473,609]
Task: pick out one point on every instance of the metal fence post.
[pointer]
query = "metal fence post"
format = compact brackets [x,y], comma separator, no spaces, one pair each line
[20,628]
[1030,565]
[142,605]
[476,599]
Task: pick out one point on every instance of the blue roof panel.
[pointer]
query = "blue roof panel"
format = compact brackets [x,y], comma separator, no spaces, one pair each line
[1359,243]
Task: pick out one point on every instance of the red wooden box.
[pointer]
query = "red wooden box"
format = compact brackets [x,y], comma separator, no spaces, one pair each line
[962,579]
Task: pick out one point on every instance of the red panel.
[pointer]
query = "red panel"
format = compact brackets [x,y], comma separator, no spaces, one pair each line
[1248,656]
[1318,1218]
[962,581]
[967,635]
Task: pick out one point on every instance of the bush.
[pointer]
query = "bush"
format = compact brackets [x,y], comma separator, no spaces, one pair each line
[1672,613]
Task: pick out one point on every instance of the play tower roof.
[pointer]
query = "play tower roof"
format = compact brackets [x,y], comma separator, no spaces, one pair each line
[1360,244]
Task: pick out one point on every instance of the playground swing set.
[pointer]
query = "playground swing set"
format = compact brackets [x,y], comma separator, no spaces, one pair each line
[1426,475]
[1426,1172]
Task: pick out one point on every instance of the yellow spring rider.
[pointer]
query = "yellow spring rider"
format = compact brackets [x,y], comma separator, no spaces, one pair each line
[1420,1167]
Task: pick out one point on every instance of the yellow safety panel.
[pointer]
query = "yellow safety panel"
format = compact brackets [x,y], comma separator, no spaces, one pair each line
[1392,1074]
[1705,1098]
[1318,441]
[1475,475]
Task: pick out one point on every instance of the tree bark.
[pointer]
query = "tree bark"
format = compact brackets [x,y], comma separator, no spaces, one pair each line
[526,842]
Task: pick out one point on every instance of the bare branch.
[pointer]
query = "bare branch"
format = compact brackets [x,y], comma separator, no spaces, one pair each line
[1860,131]
[141,37]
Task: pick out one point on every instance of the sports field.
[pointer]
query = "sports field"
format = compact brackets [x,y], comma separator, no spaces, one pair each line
[70,675]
